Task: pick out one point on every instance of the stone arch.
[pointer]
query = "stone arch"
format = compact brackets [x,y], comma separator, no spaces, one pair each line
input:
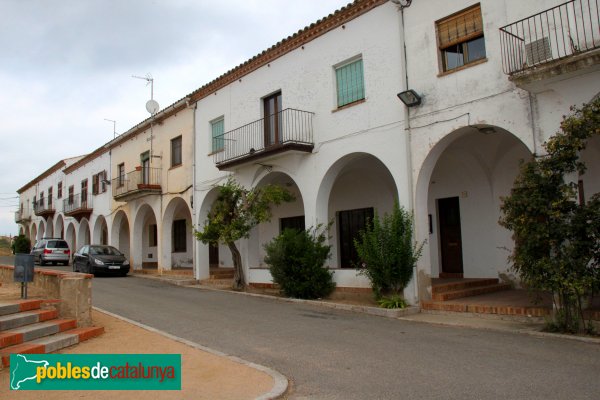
[354,186]
[33,234]
[59,230]
[41,230]
[50,227]
[71,237]
[120,233]
[457,203]
[146,236]
[100,235]
[83,234]
[207,257]
[182,256]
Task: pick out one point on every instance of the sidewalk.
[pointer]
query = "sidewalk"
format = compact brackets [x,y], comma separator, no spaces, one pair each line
[206,374]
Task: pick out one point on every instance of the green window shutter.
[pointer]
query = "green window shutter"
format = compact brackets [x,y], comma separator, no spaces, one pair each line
[218,141]
[350,83]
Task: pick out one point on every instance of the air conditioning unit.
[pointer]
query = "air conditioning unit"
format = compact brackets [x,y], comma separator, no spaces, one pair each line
[538,51]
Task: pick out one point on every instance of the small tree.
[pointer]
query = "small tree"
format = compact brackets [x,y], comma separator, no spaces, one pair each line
[235,212]
[387,252]
[21,244]
[296,260]
[557,238]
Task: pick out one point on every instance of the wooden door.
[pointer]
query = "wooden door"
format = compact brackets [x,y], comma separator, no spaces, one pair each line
[213,255]
[272,112]
[350,223]
[450,235]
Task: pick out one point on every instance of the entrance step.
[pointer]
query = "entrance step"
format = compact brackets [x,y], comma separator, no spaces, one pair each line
[221,273]
[466,288]
[457,306]
[27,328]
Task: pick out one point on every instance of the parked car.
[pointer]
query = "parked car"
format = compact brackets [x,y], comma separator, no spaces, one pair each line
[51,251]
[94,259]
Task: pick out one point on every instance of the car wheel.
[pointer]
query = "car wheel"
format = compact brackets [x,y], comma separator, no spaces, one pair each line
[42,262]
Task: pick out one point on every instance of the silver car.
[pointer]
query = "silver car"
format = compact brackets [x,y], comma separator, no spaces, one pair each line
[51,251]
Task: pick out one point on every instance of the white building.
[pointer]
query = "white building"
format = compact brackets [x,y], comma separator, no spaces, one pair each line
[319,113]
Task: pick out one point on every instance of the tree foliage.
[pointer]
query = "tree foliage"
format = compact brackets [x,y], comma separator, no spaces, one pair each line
[234,213]
[296,260]
[557,238]
[21,244]
[387,252]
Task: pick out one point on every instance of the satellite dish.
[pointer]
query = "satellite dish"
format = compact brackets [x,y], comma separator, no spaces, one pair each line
[152,106]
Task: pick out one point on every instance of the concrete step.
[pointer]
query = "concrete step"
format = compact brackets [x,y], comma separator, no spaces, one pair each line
[17,306]
[12,321]
[51,343]
[462,284]
[217,283]
[27,333]
[472,291]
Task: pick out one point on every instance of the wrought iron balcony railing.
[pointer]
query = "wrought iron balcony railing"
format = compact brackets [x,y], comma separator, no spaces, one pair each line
[81,202]
[21,216]
[43,207]
[568,29]
[136,182]
[288,129]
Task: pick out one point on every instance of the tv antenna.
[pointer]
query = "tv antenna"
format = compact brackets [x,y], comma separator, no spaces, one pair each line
[151,105]
[114,126]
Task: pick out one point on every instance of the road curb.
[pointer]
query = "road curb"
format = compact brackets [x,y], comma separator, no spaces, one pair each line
[280,381]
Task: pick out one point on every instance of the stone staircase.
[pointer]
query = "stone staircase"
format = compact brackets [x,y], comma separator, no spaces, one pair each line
[466,288]
[33,327]
[220,278]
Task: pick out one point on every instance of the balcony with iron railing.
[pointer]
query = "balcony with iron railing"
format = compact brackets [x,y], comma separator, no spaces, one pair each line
[22,216]
[562,39]
[44,208]
[78,205]
[287,130]
[135,184]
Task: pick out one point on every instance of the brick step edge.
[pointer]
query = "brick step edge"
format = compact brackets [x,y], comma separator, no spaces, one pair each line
[51,343]
[485,309]
[476,291]
[12,321]
[35,331]
[454,286]
[17,306]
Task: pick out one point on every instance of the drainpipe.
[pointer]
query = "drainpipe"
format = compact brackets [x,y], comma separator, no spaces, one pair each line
[194,107]
[402,4]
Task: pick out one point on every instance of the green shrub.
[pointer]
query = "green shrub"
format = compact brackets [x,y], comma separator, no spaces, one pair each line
[387,252]
[393,301]
[21,244]
[296,260]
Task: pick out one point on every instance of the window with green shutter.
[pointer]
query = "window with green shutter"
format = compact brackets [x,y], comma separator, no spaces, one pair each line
[218,128]
[350,83]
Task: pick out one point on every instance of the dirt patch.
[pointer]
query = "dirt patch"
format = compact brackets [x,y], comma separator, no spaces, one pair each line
[204,375]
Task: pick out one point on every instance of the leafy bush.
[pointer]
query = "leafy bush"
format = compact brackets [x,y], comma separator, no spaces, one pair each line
[394,301]
[21,244]
[296,260]
[387,252]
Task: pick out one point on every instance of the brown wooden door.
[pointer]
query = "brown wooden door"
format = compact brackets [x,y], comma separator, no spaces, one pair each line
[272,112]
[213,255]
[450,236]
[351,222]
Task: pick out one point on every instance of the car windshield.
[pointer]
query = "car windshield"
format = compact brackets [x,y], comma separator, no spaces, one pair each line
[104,251]
[57,244]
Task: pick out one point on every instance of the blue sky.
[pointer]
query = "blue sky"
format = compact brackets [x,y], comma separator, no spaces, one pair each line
[67,66]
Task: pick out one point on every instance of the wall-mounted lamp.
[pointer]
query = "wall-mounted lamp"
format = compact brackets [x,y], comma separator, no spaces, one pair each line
[410,98]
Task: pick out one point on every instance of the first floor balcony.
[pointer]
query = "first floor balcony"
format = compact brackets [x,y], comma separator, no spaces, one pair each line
[143,181]
[286,130]
[43,208]
[561,40]
[78,206]
[21,217]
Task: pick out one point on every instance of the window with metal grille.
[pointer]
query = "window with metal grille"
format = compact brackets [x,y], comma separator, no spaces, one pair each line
[50,197]
[176,151]
[460,38]
[84,189]
[217,129]
[296,223]
[121,173]
[179,236]
[59,191]
[350,82]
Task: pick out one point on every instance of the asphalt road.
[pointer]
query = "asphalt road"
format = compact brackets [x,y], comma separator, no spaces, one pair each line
[331,354]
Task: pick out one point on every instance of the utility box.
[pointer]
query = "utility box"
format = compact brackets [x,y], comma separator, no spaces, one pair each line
[23,268]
